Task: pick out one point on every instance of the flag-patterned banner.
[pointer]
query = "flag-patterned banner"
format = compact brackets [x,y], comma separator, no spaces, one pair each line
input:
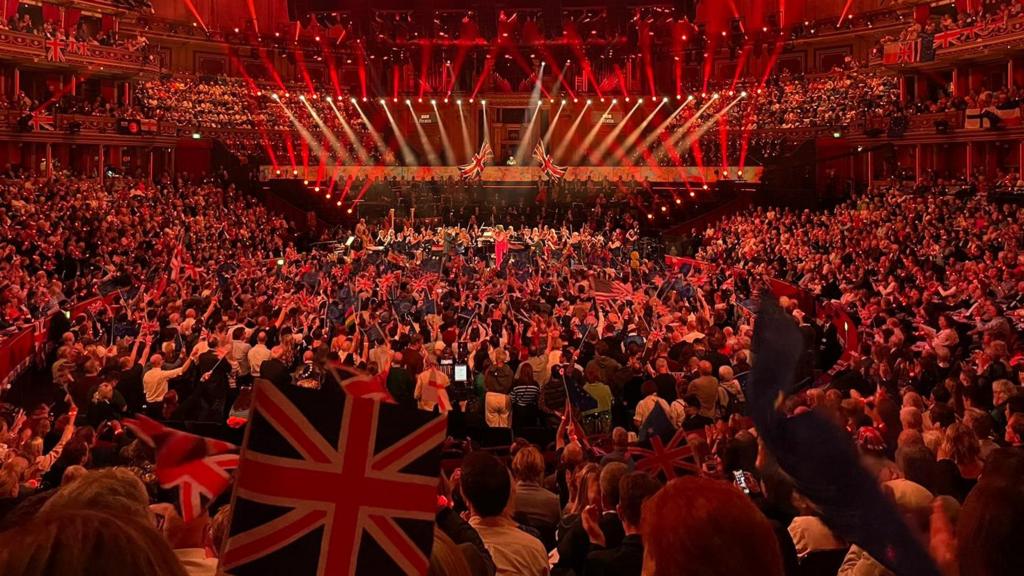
[604,289]
[907,52]
[475,168]
[664,459]
[991,28]
[330,485]
[198,468]
[547,163]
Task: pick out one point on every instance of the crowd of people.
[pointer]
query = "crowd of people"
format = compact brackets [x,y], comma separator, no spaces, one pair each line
[225,102]
[569,341]
[86,34]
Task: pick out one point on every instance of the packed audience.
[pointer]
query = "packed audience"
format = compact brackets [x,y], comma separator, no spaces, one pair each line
[569,342]
[109,235]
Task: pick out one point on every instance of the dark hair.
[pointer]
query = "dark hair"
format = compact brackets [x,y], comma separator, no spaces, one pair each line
[485,483]
[989,528]
[634,489]
[942,415]
[1015,403]
[609,480]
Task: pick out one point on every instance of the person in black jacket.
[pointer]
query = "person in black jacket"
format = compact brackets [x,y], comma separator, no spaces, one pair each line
[275,370]
[626,559]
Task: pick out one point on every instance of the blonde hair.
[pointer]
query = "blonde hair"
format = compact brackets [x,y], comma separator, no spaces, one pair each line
[960,444]
[528,465]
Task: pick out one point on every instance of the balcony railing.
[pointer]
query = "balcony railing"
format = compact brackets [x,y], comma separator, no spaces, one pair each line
[68,53]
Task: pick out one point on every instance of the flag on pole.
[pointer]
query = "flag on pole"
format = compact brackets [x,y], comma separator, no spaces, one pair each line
[198,468]
[475,168]
[605,290]
[547,163]
[331,484]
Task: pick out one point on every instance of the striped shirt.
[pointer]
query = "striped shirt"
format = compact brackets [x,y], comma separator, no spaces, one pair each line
[525,394]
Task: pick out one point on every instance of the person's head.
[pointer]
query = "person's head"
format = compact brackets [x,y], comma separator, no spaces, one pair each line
[620,438]
[1014,435]
[1002,390]
[587,487]
[485,484]
[114,490]
[661,365]
[79,541]
[156,360]
[704,367]
[989,527]
[695,526]
[634,489]
[911,419]
[609,483]
[72,473]
[725,373]
[528,465]
[960,445]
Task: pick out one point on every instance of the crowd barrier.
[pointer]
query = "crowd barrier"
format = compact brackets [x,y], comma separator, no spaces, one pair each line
[807,302]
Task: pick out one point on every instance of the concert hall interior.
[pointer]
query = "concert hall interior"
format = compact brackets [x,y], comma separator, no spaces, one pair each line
[512,287]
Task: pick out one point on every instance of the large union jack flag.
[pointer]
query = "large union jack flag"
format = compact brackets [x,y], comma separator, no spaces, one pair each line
[547,163]
[331,485]
[196,467]
[475,168]
[666,459]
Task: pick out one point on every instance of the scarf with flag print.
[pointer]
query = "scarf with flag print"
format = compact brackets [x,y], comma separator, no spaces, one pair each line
[547,163]
[475,169]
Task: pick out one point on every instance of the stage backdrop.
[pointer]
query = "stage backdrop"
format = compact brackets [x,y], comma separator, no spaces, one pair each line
[516,173]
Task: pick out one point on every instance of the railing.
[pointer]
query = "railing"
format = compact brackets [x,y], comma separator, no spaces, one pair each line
[19,348]
[69,53]
[43,122]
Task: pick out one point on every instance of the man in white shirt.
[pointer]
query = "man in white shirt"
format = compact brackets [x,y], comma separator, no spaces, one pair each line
[154,382]
[258,354]
[487,487]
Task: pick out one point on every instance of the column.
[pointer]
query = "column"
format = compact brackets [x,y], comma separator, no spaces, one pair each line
[970,160]
[103,162]
[151,165]
[1020,158]
[49,160]
[954,81]
[871,167]
[17,81]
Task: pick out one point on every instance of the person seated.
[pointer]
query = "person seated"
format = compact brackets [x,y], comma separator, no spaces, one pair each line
[626,559]
[535,506]
[486,486]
